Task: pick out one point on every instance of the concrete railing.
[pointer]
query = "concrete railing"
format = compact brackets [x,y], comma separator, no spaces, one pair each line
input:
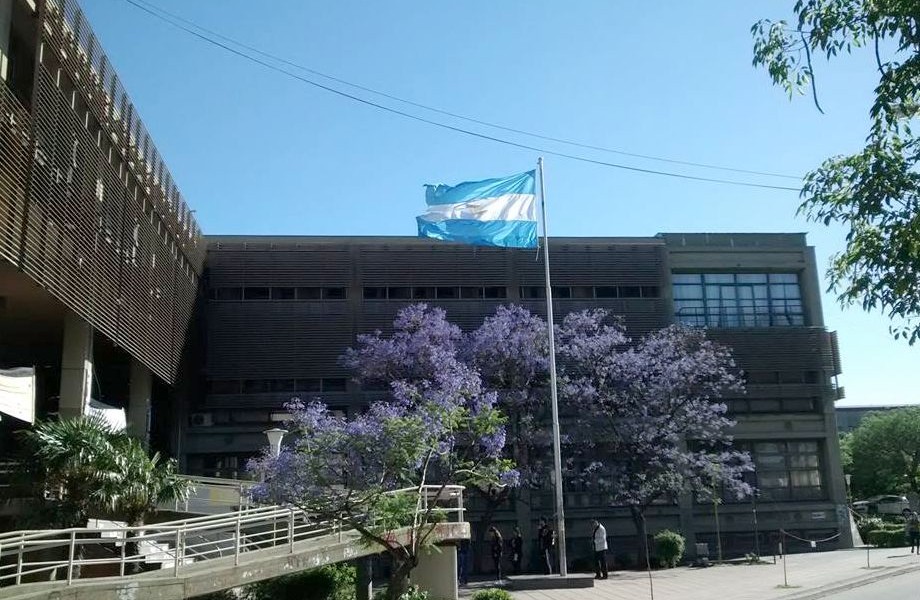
[78,553]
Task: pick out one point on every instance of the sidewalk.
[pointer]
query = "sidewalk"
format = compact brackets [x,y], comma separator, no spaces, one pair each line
[810,576]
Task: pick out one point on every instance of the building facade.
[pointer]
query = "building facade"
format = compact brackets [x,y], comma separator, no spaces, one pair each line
[281,310]
[100,256]
[108,290]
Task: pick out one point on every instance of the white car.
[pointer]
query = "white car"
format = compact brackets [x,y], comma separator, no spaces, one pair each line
[882,505]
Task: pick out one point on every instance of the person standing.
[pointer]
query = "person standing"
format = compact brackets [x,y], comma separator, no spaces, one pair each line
[599,542]
[912,529]
[463,563]
[546,537]
[517,550]
[497,545]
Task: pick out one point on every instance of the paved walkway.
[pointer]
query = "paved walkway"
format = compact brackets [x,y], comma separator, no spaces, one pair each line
[809,576]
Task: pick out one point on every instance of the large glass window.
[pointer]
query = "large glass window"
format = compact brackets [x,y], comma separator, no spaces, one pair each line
[738,299]
[787,470]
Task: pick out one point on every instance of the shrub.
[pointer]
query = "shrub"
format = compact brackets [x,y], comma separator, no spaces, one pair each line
[331,582]
[866,524]
[887,538]
[492,594]
[669,547]
[623,560]
[414,593]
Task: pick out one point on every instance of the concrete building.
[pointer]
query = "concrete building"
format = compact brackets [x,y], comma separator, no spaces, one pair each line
[99,255]
[281,310]
[849,417]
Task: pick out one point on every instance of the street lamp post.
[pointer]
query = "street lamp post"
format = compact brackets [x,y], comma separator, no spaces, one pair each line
[275,435]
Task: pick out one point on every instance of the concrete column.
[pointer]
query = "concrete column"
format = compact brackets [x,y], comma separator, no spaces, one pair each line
[6,24]
[364,583]
[810,287]
[76,367]
[436,572]
[141,385]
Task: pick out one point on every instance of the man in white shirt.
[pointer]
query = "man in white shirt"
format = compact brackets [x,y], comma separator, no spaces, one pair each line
[599,542]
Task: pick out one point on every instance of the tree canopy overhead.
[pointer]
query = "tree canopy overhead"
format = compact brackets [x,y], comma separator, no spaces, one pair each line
[874,193]
[884,453]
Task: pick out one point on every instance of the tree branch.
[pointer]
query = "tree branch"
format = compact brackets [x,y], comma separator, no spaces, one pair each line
[811,74]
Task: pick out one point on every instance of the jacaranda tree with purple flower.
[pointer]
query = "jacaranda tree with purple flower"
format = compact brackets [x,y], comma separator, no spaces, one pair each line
[439,426]
[510,351]
[651,422]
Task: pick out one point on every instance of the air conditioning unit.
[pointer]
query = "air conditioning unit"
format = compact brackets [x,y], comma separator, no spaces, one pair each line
[201,419]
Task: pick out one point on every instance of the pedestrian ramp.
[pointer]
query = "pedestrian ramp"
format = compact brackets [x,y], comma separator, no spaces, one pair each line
[191,557]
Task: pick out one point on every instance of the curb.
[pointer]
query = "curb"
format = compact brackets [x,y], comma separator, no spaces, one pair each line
[852,584]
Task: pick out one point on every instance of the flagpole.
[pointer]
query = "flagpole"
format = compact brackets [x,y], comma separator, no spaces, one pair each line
[557,451]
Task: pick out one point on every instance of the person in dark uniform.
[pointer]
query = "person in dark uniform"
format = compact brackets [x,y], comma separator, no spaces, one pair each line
[546,537]
[517,550]
[497,547]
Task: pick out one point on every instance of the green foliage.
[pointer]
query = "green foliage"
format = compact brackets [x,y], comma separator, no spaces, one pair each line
[331,582]
[887,538]
[885,451]
[866,524]
[492,594]
[221,595]
[82,468]
[875,192]
[846,452]
[414,593]
[669,547]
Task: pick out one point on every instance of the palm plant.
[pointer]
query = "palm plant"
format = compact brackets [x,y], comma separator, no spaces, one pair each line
[82,468]
[68,466]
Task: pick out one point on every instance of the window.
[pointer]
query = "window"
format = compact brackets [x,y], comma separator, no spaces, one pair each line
[582,291]
[308,293]
[308,385]
[738,300]
[250,416]
[650,291]
[399,293]
[257,386]
[423,293]
[229,294]
[284,293]
[787,470]
[606,292]
[533,292]
[448,293]
[224,386]
[471,293]
[334,385]
[256,293]
[375,293]
[334,293]
[284,385]
[495,292]
[561,291]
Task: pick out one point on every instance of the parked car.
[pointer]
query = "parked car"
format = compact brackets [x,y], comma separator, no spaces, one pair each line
[882,505]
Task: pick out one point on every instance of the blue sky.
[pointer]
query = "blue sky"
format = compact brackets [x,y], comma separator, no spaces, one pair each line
[255,152]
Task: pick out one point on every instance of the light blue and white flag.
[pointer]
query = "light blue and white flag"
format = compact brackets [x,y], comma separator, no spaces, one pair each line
[494,212]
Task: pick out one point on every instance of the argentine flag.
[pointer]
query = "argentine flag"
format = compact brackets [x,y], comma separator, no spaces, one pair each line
[494,212]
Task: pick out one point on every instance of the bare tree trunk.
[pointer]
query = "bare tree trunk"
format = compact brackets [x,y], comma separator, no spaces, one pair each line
[638,518]
[399,577]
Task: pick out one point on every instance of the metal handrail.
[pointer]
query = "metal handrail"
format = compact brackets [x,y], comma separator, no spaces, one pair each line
[181,542]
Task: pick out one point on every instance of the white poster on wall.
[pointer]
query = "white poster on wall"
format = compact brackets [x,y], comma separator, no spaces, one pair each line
[17,393]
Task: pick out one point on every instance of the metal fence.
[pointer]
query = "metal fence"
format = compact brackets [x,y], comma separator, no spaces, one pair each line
[80,553]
